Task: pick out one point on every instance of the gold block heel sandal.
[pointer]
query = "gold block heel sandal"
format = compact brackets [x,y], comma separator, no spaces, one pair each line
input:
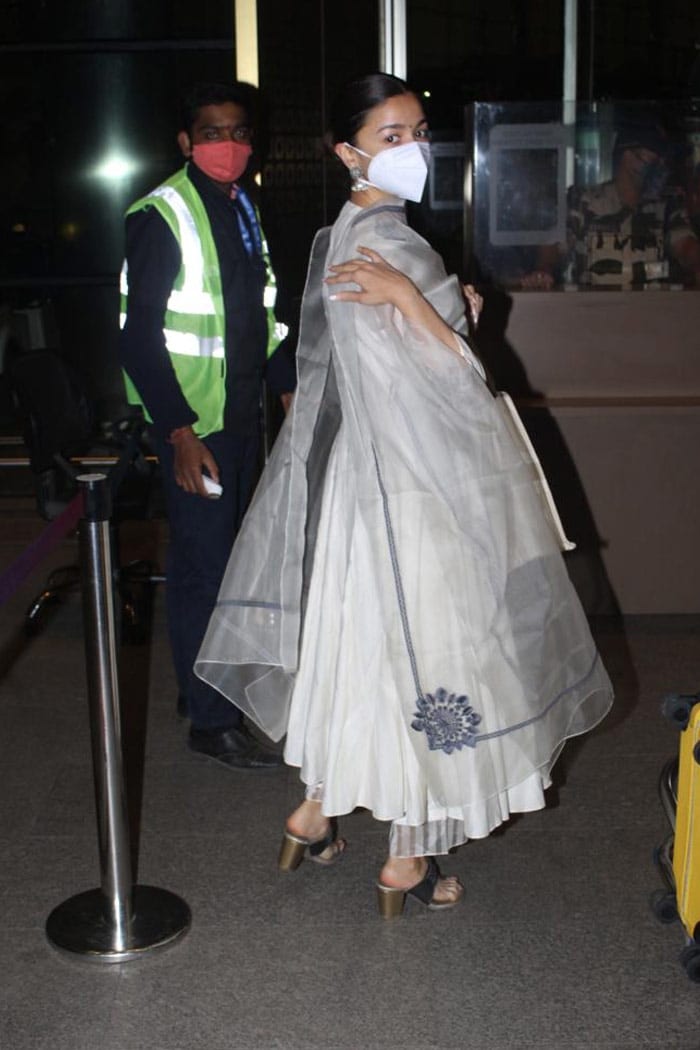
[391,901]
[294,847]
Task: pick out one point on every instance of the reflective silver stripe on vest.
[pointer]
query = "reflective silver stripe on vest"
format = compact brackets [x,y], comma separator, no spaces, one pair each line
[190,345]
[190,299]
[269,296]
[199,303]
[185,301]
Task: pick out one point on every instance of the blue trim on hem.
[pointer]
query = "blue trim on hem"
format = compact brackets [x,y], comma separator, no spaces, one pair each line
[240,602]
[542,714]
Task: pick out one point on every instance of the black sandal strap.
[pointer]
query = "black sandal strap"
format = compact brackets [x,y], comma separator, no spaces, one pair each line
[425,890]
[322,844]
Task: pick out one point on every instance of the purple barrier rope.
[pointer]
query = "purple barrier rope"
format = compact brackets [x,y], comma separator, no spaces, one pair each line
[30,557]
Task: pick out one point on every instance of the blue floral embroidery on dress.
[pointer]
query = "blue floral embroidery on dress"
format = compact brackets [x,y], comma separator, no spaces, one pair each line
[448,720]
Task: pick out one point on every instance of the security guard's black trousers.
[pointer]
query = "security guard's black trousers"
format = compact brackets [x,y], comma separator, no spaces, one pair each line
[201,534]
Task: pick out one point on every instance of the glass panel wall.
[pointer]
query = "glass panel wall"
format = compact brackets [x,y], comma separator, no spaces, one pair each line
[599,195]
[89,103]
[492,51]
[462,50]
[307,50]
[89,97]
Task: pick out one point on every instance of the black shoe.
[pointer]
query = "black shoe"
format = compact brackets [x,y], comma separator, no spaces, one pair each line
[236,748]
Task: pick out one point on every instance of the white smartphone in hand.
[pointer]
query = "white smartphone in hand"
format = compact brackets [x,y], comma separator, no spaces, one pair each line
[213,488]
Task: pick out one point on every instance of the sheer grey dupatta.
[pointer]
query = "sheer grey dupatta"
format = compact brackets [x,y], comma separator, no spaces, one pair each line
[251,647]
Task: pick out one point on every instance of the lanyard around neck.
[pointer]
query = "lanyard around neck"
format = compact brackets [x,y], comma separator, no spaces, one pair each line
[247,223]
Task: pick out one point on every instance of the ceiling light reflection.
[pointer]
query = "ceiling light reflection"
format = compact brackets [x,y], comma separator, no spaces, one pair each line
[115,167]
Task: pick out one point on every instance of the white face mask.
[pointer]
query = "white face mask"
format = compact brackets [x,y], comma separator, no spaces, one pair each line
[400,170]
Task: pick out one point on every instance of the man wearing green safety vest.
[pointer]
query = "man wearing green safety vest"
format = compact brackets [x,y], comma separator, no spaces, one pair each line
[198,336]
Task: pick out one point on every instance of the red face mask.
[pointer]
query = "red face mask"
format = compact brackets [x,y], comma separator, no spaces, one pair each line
[222,161]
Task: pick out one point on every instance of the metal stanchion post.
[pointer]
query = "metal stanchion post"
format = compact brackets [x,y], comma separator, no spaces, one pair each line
[119,921]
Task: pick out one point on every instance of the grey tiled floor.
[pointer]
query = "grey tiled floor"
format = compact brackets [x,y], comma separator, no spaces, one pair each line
[554,949]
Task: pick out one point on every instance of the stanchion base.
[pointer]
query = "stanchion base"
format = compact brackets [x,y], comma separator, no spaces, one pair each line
[81,926]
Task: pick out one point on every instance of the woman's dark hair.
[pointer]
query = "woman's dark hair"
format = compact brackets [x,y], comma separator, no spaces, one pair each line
[354,101]
[212,94]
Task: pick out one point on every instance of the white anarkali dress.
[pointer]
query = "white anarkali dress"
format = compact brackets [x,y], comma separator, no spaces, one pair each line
[396,601]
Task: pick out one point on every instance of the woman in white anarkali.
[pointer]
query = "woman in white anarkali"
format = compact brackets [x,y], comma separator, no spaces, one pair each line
[396,601]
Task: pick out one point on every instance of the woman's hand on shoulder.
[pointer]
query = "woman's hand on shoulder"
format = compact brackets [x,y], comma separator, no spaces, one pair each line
[379,282]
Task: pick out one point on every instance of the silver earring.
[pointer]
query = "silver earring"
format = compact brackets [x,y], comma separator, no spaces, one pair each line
[359,184]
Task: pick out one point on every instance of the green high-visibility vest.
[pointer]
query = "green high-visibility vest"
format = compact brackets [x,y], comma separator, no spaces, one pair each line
[194,326]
